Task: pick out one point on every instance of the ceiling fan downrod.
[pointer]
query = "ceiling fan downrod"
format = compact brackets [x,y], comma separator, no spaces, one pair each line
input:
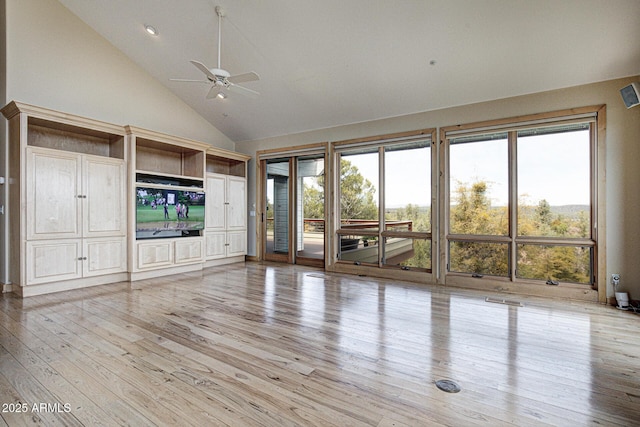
[220,13]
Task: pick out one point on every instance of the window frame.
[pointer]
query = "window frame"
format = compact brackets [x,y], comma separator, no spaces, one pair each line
[381,234]
[596,115]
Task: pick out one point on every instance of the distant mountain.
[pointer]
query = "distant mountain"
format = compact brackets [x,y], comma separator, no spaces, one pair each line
[569,210]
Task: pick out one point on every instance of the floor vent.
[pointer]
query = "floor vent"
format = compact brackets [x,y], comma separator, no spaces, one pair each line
[504,301]
[448,386]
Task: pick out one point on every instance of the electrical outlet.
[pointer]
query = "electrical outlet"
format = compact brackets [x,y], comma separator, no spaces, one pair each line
[615,279]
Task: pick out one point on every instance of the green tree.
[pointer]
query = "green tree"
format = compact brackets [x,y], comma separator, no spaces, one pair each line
[356,194]
[473,214]
[313,201]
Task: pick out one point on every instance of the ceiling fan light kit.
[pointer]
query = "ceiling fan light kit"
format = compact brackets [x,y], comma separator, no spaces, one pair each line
[221,78]
[151,30]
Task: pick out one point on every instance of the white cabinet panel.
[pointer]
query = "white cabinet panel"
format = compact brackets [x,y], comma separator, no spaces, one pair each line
[236,243]
[53,191]
[216,241]
[53,260]
[215,203]
[236,203]
[104,256]
[155,254]
[188,250]
[226,227]
[105,204]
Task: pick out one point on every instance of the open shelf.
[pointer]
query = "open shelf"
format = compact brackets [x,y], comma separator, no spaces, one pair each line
[168,160]
[60,136]
[226,165]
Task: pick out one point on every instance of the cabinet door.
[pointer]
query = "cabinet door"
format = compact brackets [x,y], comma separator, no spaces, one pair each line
[53,189]
[53,260]
[155,254]
[188,251]
[105,204]
[215,202]
[216,244]
[236,243]
[104,255]
[236,203]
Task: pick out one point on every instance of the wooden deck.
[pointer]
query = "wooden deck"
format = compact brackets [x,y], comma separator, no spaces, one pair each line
[282,345]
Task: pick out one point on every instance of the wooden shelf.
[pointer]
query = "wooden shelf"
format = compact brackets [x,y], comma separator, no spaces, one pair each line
[52,129]
[235,165]
[167,155]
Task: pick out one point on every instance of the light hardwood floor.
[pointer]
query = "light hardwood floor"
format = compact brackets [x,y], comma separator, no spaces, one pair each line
[280,345]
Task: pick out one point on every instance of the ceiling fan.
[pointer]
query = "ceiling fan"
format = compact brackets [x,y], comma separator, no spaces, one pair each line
[222,80]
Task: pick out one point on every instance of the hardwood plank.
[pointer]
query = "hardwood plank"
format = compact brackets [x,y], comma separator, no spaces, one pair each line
[280,345]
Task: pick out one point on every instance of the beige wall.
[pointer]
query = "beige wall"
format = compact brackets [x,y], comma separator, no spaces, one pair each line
[622,196]
[55,60]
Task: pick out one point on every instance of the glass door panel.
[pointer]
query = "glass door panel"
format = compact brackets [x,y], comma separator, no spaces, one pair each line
[277,224]
[310,209]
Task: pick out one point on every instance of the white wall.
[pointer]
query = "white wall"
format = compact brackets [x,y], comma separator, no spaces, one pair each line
[622,157]
[55,60]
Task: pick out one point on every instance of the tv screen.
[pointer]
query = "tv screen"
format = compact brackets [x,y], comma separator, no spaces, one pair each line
[168,212]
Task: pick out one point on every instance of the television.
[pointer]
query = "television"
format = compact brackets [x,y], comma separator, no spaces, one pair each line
[169,212]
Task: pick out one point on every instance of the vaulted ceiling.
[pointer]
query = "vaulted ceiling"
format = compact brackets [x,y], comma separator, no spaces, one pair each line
[333,62]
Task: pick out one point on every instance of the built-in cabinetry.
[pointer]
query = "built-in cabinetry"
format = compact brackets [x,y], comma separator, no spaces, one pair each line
[226,207]
[67,201]
[167,214]
[92,203]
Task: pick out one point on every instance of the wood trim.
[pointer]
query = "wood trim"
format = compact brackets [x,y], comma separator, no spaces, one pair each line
[443,201]
[60,119]
[600,203]
[293,150]
[261,240]
[407,234]
[227,154]
[382,138]
[519,119]
[521,287]
[164,138]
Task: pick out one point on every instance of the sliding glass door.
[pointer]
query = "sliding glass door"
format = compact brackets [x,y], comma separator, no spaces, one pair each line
[277,227]
[309,210]
[293,226]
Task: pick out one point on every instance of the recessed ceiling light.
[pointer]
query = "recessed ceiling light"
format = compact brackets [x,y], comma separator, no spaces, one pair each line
[151,30]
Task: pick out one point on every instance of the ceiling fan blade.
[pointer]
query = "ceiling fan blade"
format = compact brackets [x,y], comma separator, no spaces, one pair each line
[246,77]
[190,81]
[200,66]
[243,90]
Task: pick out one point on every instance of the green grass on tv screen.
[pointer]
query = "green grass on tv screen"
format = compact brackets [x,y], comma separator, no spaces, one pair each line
[146,213]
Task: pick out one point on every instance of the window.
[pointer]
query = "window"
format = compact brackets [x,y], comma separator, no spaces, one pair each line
[521,200]
[385,202]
